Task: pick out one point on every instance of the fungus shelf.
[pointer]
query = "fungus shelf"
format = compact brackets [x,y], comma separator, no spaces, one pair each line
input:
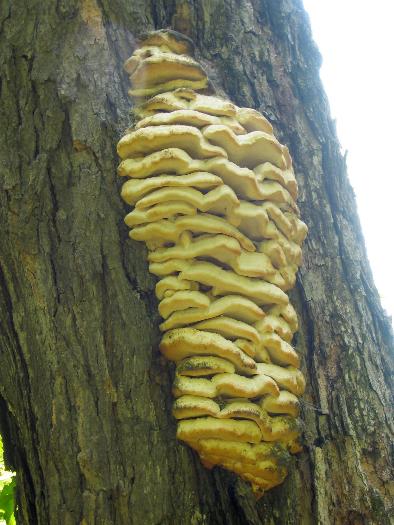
[214,197]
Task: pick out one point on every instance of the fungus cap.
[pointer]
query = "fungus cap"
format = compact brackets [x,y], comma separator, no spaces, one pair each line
[288,378]
[133,190]
[226,282]
[180,300]
[164,67]
[176,42]
[154,138]
[173,284]
[185,342]
[286,403]
[229,328]
[197,366]
[165,86]
[247,150]
[218,201]
[226,429]
[234,306]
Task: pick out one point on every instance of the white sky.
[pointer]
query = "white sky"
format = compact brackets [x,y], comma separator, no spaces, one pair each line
[356,40]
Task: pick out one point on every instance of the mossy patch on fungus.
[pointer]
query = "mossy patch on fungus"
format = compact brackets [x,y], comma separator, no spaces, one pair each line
[214,200]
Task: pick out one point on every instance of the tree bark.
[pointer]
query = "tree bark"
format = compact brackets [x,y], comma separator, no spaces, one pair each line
[85,398]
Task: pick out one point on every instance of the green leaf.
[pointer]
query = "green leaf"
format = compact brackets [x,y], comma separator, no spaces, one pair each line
[7,502]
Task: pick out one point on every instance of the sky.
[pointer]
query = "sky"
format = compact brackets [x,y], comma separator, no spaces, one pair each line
[356,40]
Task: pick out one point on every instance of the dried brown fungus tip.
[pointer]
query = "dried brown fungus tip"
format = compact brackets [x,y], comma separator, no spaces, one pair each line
[214,201]
[264,474]
[266,457]
[242,452]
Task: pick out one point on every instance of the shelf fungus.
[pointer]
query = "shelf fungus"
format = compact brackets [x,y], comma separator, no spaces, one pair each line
[214,199]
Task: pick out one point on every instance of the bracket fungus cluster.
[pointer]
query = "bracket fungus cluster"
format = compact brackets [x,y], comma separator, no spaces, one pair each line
[214,199]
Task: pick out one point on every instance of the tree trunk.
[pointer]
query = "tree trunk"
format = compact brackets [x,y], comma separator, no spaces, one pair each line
[85,396]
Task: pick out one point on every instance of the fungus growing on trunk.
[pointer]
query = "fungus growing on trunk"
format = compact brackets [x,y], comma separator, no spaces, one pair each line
[214,200]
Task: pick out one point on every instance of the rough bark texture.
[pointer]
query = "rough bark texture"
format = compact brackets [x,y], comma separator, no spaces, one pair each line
[85,396]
